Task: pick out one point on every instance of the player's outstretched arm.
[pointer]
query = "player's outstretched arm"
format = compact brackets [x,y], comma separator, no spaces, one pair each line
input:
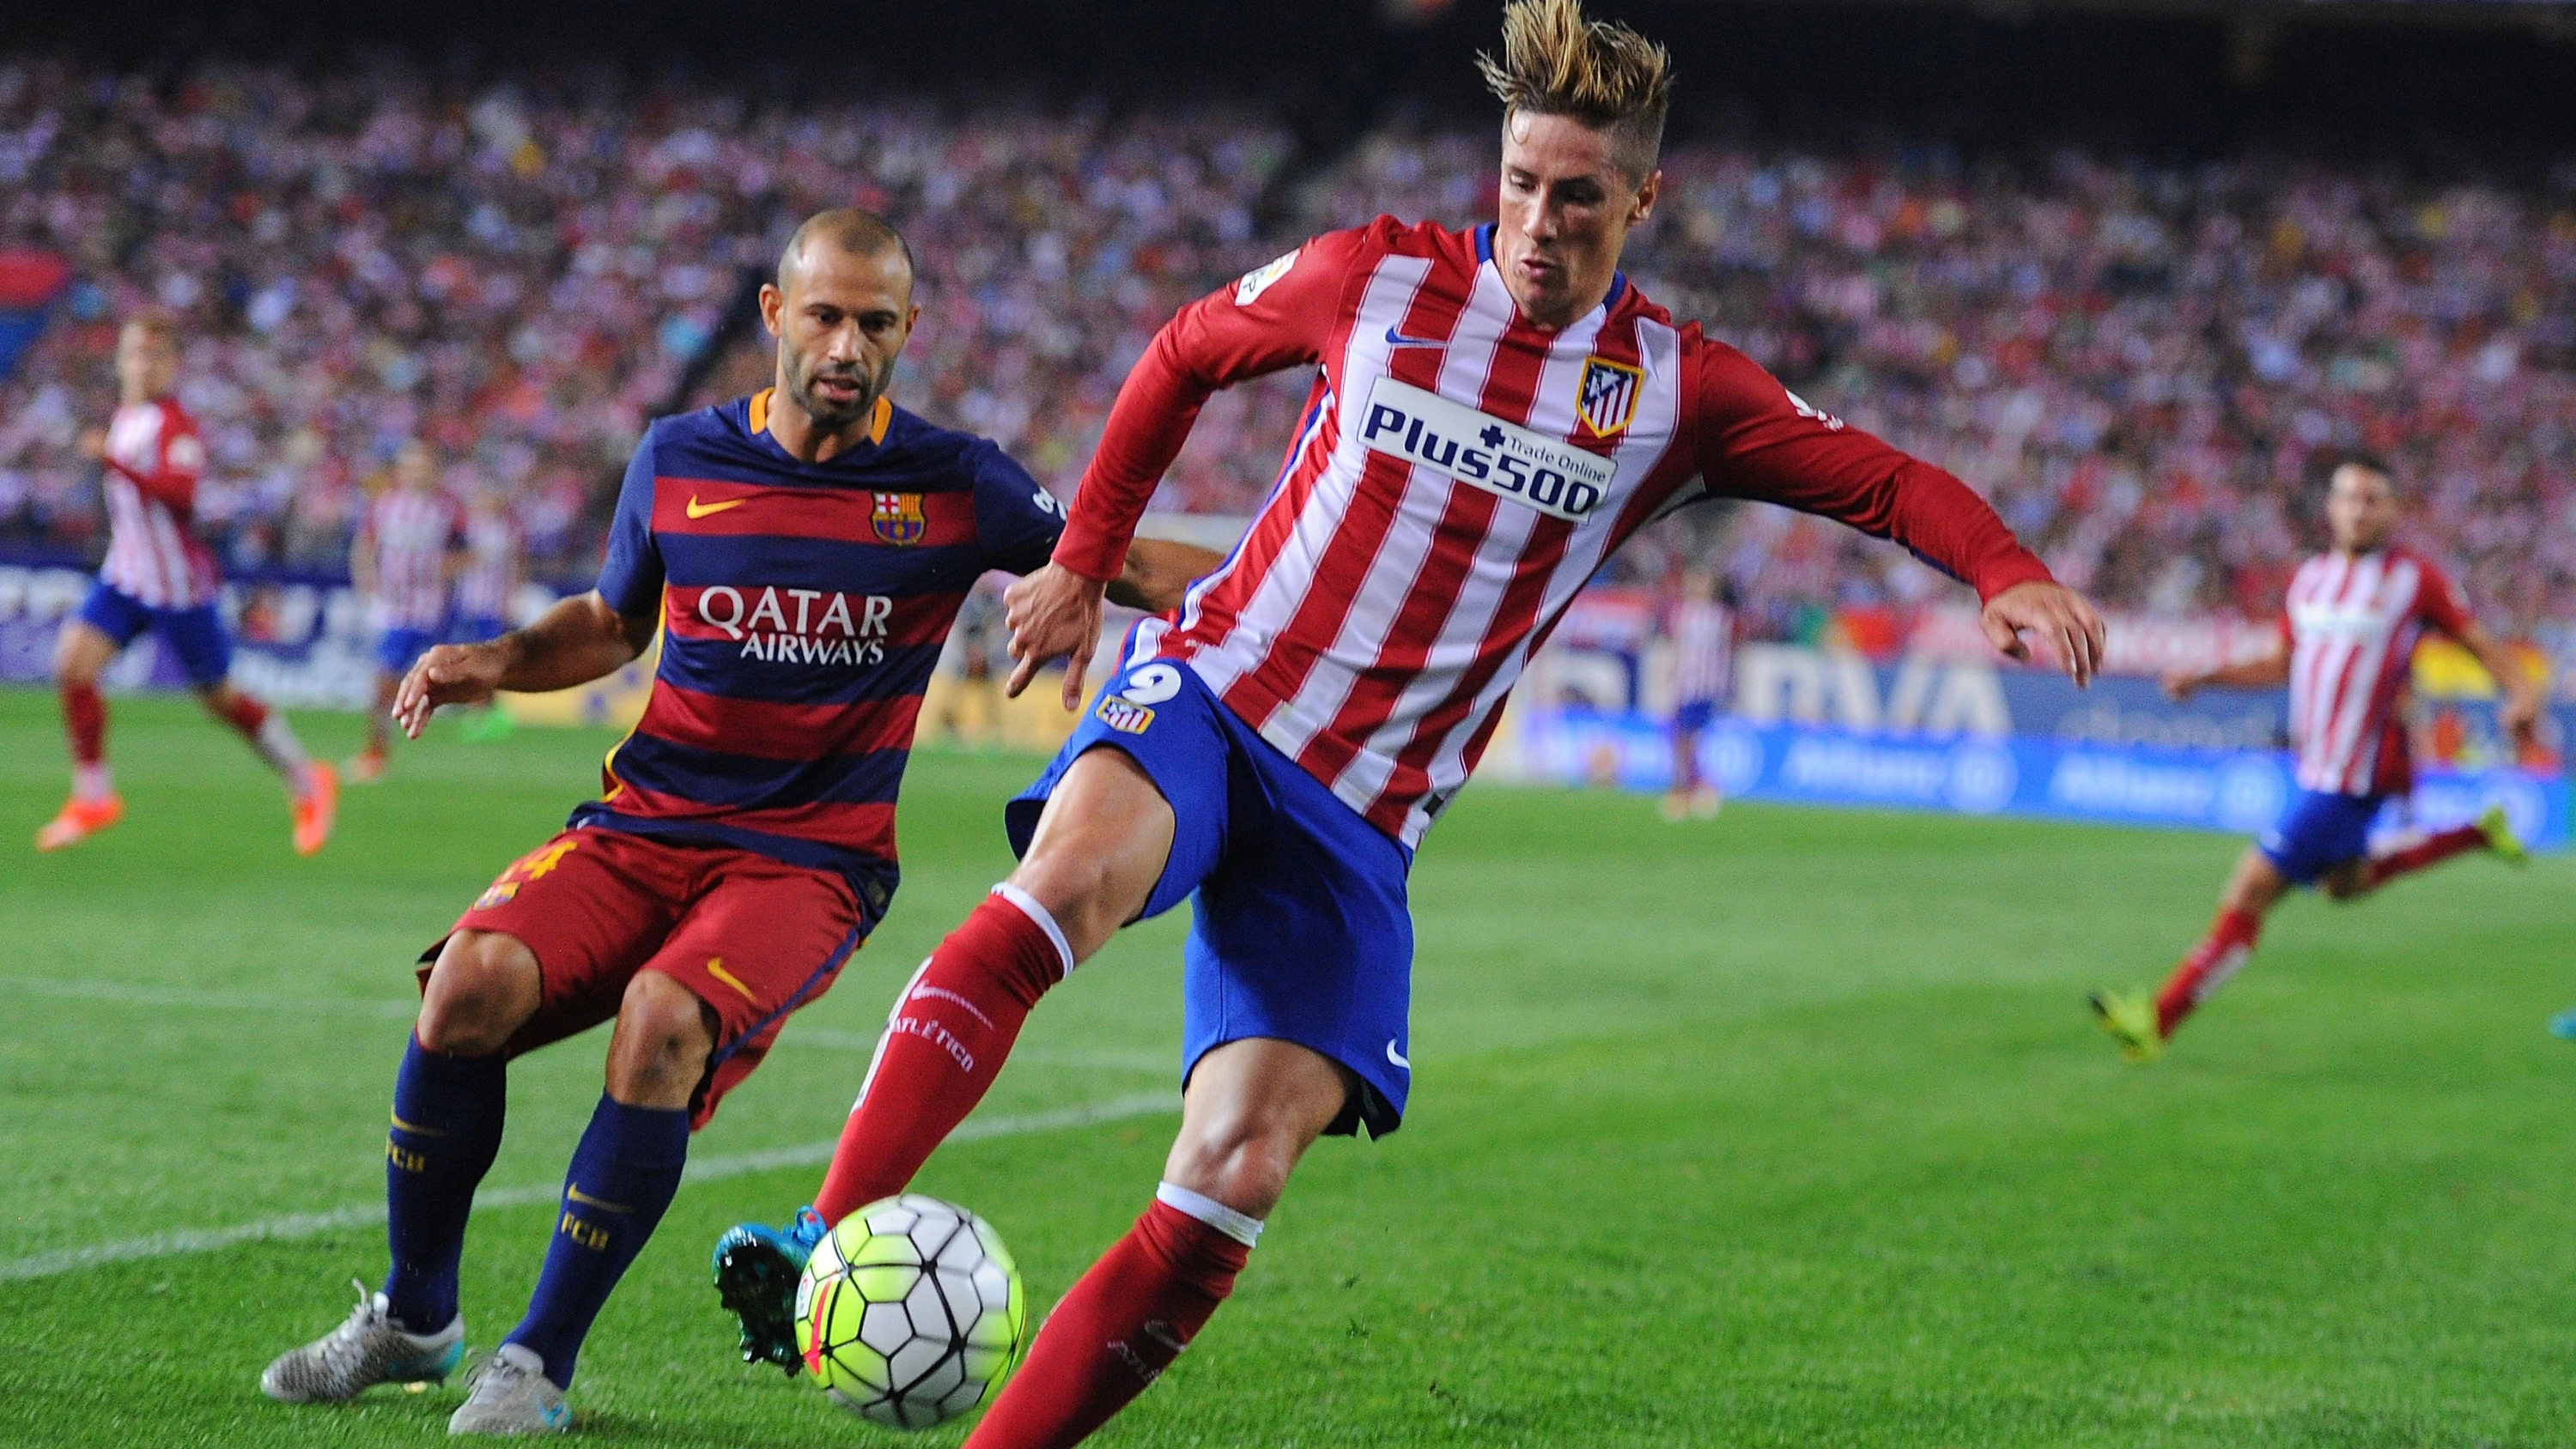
[1158,574]
[2271,669]
[1756,439]
[577,641]
[2520,713]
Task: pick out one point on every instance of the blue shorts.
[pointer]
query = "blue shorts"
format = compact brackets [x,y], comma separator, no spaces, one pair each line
[195,635]
[2319,832]
[476,628]
[396,648]
[1301,930]
[1693,715]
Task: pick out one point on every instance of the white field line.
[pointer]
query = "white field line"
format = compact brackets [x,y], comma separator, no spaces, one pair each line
[706,1169]
[269,1004]
[184,997]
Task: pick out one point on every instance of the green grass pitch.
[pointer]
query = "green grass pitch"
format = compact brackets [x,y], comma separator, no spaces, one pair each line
[1783,1129]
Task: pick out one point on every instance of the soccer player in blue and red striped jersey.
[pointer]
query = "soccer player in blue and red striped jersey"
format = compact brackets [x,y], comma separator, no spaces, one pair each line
[803,552]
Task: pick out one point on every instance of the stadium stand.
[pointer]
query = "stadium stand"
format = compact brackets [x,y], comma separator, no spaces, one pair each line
[2146,364]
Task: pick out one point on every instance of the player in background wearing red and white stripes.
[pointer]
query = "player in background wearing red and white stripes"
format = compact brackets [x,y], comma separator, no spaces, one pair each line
[490,569]
[1495,411]
[158,576]
[1700,626]
[2346,647]
[405,553]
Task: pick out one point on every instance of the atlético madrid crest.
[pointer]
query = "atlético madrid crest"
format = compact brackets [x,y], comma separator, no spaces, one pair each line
[1606,394]
[899,519]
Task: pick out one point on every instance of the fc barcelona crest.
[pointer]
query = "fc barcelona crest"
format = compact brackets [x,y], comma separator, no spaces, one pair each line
[1606,394]
[899,519]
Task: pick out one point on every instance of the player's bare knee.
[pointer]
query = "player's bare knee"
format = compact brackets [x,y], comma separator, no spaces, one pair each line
[664,1036]
[1242,1162]
[482,989]
[1075,887]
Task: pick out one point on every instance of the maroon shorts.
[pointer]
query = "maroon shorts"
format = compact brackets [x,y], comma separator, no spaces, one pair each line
[752,937]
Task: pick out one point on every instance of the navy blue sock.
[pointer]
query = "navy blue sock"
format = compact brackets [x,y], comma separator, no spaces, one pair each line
[622,1177]
[447,1124]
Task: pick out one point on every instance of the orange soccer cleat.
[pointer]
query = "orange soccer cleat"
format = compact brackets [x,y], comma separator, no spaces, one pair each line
[78,821]
[317,808]
[367,767]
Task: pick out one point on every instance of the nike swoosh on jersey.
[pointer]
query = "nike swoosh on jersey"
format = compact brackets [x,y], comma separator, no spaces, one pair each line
[1396,1057]
[701,510]
[1398,339]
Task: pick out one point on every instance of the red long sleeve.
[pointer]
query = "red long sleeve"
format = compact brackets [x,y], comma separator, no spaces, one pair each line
[1278,316]
[1756,439]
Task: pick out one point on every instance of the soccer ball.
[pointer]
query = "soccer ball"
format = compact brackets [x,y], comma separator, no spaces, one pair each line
[910,1312]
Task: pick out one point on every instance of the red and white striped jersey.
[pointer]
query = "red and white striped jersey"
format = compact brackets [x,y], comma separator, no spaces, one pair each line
[407,534]
[1458,476]
[1703,635]
[153,459]
[491,565]
[2352,624]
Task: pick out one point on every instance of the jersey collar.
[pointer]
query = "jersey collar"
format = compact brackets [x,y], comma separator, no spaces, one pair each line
[756,416]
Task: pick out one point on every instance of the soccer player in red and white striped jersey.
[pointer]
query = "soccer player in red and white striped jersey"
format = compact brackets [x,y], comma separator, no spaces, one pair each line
[1700,628]
[159,576]
[1494,412]
[2347,643]
[405,553]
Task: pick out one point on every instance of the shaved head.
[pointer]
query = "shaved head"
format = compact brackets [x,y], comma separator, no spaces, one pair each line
[841,310]
[852,231]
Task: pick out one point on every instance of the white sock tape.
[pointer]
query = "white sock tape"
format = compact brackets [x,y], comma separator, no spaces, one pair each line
[1244,1230]
[1030,908]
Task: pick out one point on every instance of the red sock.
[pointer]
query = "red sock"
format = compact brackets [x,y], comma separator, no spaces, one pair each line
[2431,850]
[1119,1328]
[944,1043]
[2230,940]
[245,714]
[85,720]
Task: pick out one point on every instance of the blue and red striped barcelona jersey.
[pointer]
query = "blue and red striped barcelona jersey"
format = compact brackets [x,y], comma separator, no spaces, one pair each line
[803,606]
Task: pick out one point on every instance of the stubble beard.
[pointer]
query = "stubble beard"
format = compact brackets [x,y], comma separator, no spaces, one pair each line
[836,418]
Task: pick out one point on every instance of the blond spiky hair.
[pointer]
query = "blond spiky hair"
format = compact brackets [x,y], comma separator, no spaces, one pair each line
[1556,63]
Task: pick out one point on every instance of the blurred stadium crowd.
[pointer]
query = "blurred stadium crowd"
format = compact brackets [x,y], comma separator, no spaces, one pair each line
[2146,367]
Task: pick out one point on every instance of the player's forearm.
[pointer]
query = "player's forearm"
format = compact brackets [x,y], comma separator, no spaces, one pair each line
[1159,572]
[575,642]
[2512,680]
[1155,410]
[1942,519]
[170,488]
[2261,673]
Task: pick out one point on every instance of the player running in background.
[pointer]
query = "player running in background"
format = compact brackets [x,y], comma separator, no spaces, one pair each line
[1496,410]
[488,576]
[1701,627]
[401,561]
[2346,646]
[158,576]
[804,551]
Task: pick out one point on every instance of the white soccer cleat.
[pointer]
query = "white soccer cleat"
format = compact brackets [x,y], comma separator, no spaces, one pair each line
[512,1395]
[367,1350]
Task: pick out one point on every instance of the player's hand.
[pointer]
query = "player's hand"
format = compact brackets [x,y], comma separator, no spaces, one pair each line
[1052,614]
[448,674]
[93,444]
[2181,685]
[2057,615]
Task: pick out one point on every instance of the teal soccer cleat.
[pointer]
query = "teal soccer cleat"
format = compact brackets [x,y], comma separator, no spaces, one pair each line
[756,1268]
